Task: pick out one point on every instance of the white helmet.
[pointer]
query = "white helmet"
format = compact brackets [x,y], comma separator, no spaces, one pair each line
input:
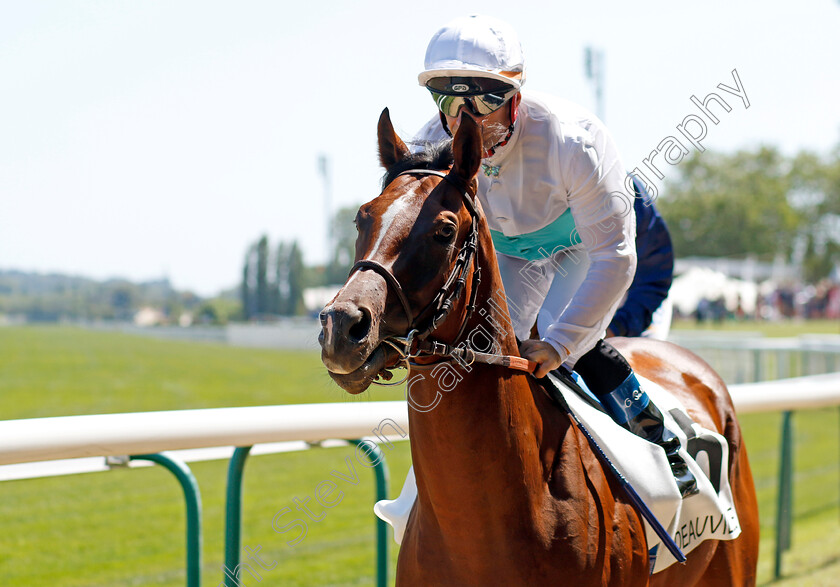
[475,46]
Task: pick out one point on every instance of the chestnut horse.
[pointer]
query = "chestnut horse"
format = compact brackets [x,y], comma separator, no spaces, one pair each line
[509,491]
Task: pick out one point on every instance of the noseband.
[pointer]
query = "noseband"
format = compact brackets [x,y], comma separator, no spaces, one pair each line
[448,294]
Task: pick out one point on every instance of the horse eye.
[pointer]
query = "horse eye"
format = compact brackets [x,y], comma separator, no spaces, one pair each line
[445,234]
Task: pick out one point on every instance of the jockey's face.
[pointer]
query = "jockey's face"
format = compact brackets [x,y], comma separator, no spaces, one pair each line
[494,126]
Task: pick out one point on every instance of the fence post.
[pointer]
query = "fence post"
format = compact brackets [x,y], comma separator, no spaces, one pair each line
[233,514]
[377,458]
[233,511]
[192,496]
[783,366]
[784,506]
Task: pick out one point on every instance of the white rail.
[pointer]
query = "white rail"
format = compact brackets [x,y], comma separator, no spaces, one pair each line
[797,393]
[74,444]
[73,437]
[42,439]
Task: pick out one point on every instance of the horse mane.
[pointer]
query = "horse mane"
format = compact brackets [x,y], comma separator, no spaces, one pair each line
[436,156]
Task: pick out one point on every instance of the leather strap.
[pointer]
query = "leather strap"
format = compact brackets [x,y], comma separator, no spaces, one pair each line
[389,277]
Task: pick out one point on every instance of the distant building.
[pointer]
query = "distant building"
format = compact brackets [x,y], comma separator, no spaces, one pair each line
[315,298]
[148,316]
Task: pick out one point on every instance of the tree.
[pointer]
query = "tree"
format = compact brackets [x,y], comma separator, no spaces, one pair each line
[123,300]
[281,271]
[816,192]
[290,275]
[263,294]
[218,310]
[273,285]
[249,284]
[344,237]
[295,305]
[732,205]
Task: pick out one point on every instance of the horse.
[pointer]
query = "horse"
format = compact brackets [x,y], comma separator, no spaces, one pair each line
[509,491]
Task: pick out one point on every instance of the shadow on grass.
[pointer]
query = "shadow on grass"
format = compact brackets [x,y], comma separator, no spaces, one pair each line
[816,511]
[804,573]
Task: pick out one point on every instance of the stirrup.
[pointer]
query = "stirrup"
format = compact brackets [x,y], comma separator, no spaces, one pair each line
[396,511]
[686,481]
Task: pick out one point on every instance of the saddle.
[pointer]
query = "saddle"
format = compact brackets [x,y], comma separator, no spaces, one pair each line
[710,514]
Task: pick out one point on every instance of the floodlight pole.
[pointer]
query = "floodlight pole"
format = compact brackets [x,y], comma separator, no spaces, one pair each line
[593,60]
[324,171]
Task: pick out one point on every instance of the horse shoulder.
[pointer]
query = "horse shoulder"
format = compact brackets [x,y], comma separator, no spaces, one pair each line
[590,517]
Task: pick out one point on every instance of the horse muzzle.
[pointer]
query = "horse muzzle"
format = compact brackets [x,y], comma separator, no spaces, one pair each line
[349,335]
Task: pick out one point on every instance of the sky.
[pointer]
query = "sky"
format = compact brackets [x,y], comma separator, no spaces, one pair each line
[159,139]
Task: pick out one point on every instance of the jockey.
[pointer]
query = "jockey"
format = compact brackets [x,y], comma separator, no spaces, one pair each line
[554,191]
[646,310]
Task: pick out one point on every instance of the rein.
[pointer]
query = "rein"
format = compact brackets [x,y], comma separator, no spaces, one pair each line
[414,344]
[467,356]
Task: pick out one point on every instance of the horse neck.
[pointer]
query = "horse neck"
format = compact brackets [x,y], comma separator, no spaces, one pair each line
[464,414]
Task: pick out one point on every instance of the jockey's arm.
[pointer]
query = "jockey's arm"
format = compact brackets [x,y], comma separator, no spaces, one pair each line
[605,221]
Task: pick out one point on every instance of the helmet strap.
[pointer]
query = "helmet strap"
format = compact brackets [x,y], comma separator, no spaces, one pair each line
[443,123]
[492,150]
[514,110]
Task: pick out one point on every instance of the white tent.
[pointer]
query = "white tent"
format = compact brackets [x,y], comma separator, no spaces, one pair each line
[698,283]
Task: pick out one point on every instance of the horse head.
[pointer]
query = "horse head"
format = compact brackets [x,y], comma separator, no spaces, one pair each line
[409,258]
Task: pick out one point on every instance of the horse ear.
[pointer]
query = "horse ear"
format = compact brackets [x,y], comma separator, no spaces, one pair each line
[391,148]
[467,148]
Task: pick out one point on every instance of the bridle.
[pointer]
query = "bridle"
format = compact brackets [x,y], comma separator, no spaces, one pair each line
[450,292]
[414,343]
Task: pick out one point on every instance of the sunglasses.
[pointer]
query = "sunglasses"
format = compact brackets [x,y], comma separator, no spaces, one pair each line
[477,104]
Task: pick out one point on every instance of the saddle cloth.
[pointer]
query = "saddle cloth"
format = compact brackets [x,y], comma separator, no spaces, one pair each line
[710,514]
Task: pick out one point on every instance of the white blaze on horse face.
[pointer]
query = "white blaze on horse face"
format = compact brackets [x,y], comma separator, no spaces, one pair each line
[387,219]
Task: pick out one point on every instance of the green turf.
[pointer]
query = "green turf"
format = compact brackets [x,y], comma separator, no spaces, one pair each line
[126,527]
[773,329]
[66,371]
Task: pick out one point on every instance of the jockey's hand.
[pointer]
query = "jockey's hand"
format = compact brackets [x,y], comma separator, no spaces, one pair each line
[542,353]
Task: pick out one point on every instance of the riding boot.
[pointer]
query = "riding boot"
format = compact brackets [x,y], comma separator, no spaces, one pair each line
[611,378]
[631,407]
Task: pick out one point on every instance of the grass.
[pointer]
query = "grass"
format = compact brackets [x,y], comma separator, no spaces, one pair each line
[126,527]
[66,371]
[782,328]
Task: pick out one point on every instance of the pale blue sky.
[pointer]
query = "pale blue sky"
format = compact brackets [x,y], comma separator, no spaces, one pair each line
[149,139]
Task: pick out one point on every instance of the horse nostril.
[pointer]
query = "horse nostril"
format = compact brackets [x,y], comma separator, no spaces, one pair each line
[360,329]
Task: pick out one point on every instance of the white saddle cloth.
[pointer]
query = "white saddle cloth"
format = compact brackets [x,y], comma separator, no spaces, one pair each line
[710,514]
